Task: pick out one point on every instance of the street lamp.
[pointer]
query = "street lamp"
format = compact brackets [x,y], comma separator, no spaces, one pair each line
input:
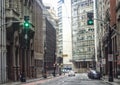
[110,55]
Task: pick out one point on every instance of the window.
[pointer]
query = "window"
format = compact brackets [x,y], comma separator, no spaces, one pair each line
[10,3]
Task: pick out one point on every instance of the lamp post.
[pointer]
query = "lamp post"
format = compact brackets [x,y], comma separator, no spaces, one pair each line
[110,55]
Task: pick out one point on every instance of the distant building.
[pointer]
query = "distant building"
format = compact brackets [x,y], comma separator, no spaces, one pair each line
[50,27]
[64,38]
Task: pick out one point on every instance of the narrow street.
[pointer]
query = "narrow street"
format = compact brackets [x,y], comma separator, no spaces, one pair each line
[57,42]
[79,79]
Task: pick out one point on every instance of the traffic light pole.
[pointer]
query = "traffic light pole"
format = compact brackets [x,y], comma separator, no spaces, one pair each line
[24,49]
[110,55]
[118,33]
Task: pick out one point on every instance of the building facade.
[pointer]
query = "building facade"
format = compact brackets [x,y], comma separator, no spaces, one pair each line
[100,31]
[3,71]
[49,33]
[109,13]
[23,50]
[83,44]
[118,39]
[64,38]
[38,9]
[19,41]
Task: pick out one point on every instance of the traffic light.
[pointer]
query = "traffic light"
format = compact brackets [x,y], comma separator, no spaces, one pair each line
[26,22]
[90,19]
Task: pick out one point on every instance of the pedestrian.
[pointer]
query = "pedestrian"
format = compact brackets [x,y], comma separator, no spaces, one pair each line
[22,77]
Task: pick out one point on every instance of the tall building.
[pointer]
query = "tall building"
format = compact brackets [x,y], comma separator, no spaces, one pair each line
[64,38]
[100,16]
[49,26]
[19,40]
[83,43]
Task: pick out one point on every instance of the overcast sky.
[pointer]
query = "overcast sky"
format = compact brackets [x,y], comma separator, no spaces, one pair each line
[52,2]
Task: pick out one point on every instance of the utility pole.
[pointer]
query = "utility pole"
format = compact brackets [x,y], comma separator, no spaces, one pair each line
[44,62]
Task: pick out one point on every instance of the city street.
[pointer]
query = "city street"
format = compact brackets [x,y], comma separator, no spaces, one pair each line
[57,42]
[79,79]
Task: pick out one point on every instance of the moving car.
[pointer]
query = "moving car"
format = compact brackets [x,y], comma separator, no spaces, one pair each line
[71,73]
[93,74]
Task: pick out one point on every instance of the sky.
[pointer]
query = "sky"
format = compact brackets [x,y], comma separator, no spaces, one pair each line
[52,2]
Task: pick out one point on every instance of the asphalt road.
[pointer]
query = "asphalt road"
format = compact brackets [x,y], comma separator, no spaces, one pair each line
[79,79]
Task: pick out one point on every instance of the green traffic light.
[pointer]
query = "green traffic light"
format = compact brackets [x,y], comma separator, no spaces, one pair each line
[90,22]
[26,24]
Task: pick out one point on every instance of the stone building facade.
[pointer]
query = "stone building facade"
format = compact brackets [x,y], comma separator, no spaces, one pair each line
[20,51]
[110,18]
[38,9]
[25,51]
[118,35]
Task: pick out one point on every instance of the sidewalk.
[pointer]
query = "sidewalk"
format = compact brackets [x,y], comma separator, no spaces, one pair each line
[28,81]
[115,81]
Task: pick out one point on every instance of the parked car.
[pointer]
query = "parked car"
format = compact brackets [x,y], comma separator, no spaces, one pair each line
[93,74]
[71,73]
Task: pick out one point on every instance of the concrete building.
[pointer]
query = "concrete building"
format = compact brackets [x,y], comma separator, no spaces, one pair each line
[100,31]
[83,42]
[64,26]
[49,26]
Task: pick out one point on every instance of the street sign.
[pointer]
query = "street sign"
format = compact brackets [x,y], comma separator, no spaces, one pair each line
[103,61]
[65,55]
[110,57]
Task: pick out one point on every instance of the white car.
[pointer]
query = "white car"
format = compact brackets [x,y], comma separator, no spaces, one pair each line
[71,73]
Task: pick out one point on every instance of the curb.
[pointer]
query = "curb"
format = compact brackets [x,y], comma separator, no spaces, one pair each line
[111,83]
[27,81]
